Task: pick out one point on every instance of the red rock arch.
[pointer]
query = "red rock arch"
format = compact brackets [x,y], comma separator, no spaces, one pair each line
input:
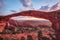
[46,15]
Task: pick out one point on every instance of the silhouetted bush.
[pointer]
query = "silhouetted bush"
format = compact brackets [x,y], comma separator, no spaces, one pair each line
[39,35]
[29,37]
[22,38]
[1,38]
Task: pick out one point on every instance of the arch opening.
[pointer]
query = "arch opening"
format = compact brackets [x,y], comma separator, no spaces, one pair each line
[29,18]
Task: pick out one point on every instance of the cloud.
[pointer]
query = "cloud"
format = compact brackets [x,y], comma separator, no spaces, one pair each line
[55,6]
[13,10]
[26,3]
[44,8]
[2,3]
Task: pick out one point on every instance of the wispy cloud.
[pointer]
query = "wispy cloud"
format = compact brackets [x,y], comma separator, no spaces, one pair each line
[26,3]
[55,6]
[52,8]
[13,10]
[44,8]
[2,3]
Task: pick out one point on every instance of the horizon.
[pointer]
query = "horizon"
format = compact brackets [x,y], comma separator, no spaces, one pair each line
[14,6]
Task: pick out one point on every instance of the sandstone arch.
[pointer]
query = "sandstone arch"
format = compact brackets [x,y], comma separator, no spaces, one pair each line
[46,15]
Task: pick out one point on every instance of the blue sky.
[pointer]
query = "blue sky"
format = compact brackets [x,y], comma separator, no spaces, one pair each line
[17,5]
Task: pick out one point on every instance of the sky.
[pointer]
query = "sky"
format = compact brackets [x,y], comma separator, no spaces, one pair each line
[12,6]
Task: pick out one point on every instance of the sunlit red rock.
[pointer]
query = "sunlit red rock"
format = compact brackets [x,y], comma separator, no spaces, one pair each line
[53,16]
